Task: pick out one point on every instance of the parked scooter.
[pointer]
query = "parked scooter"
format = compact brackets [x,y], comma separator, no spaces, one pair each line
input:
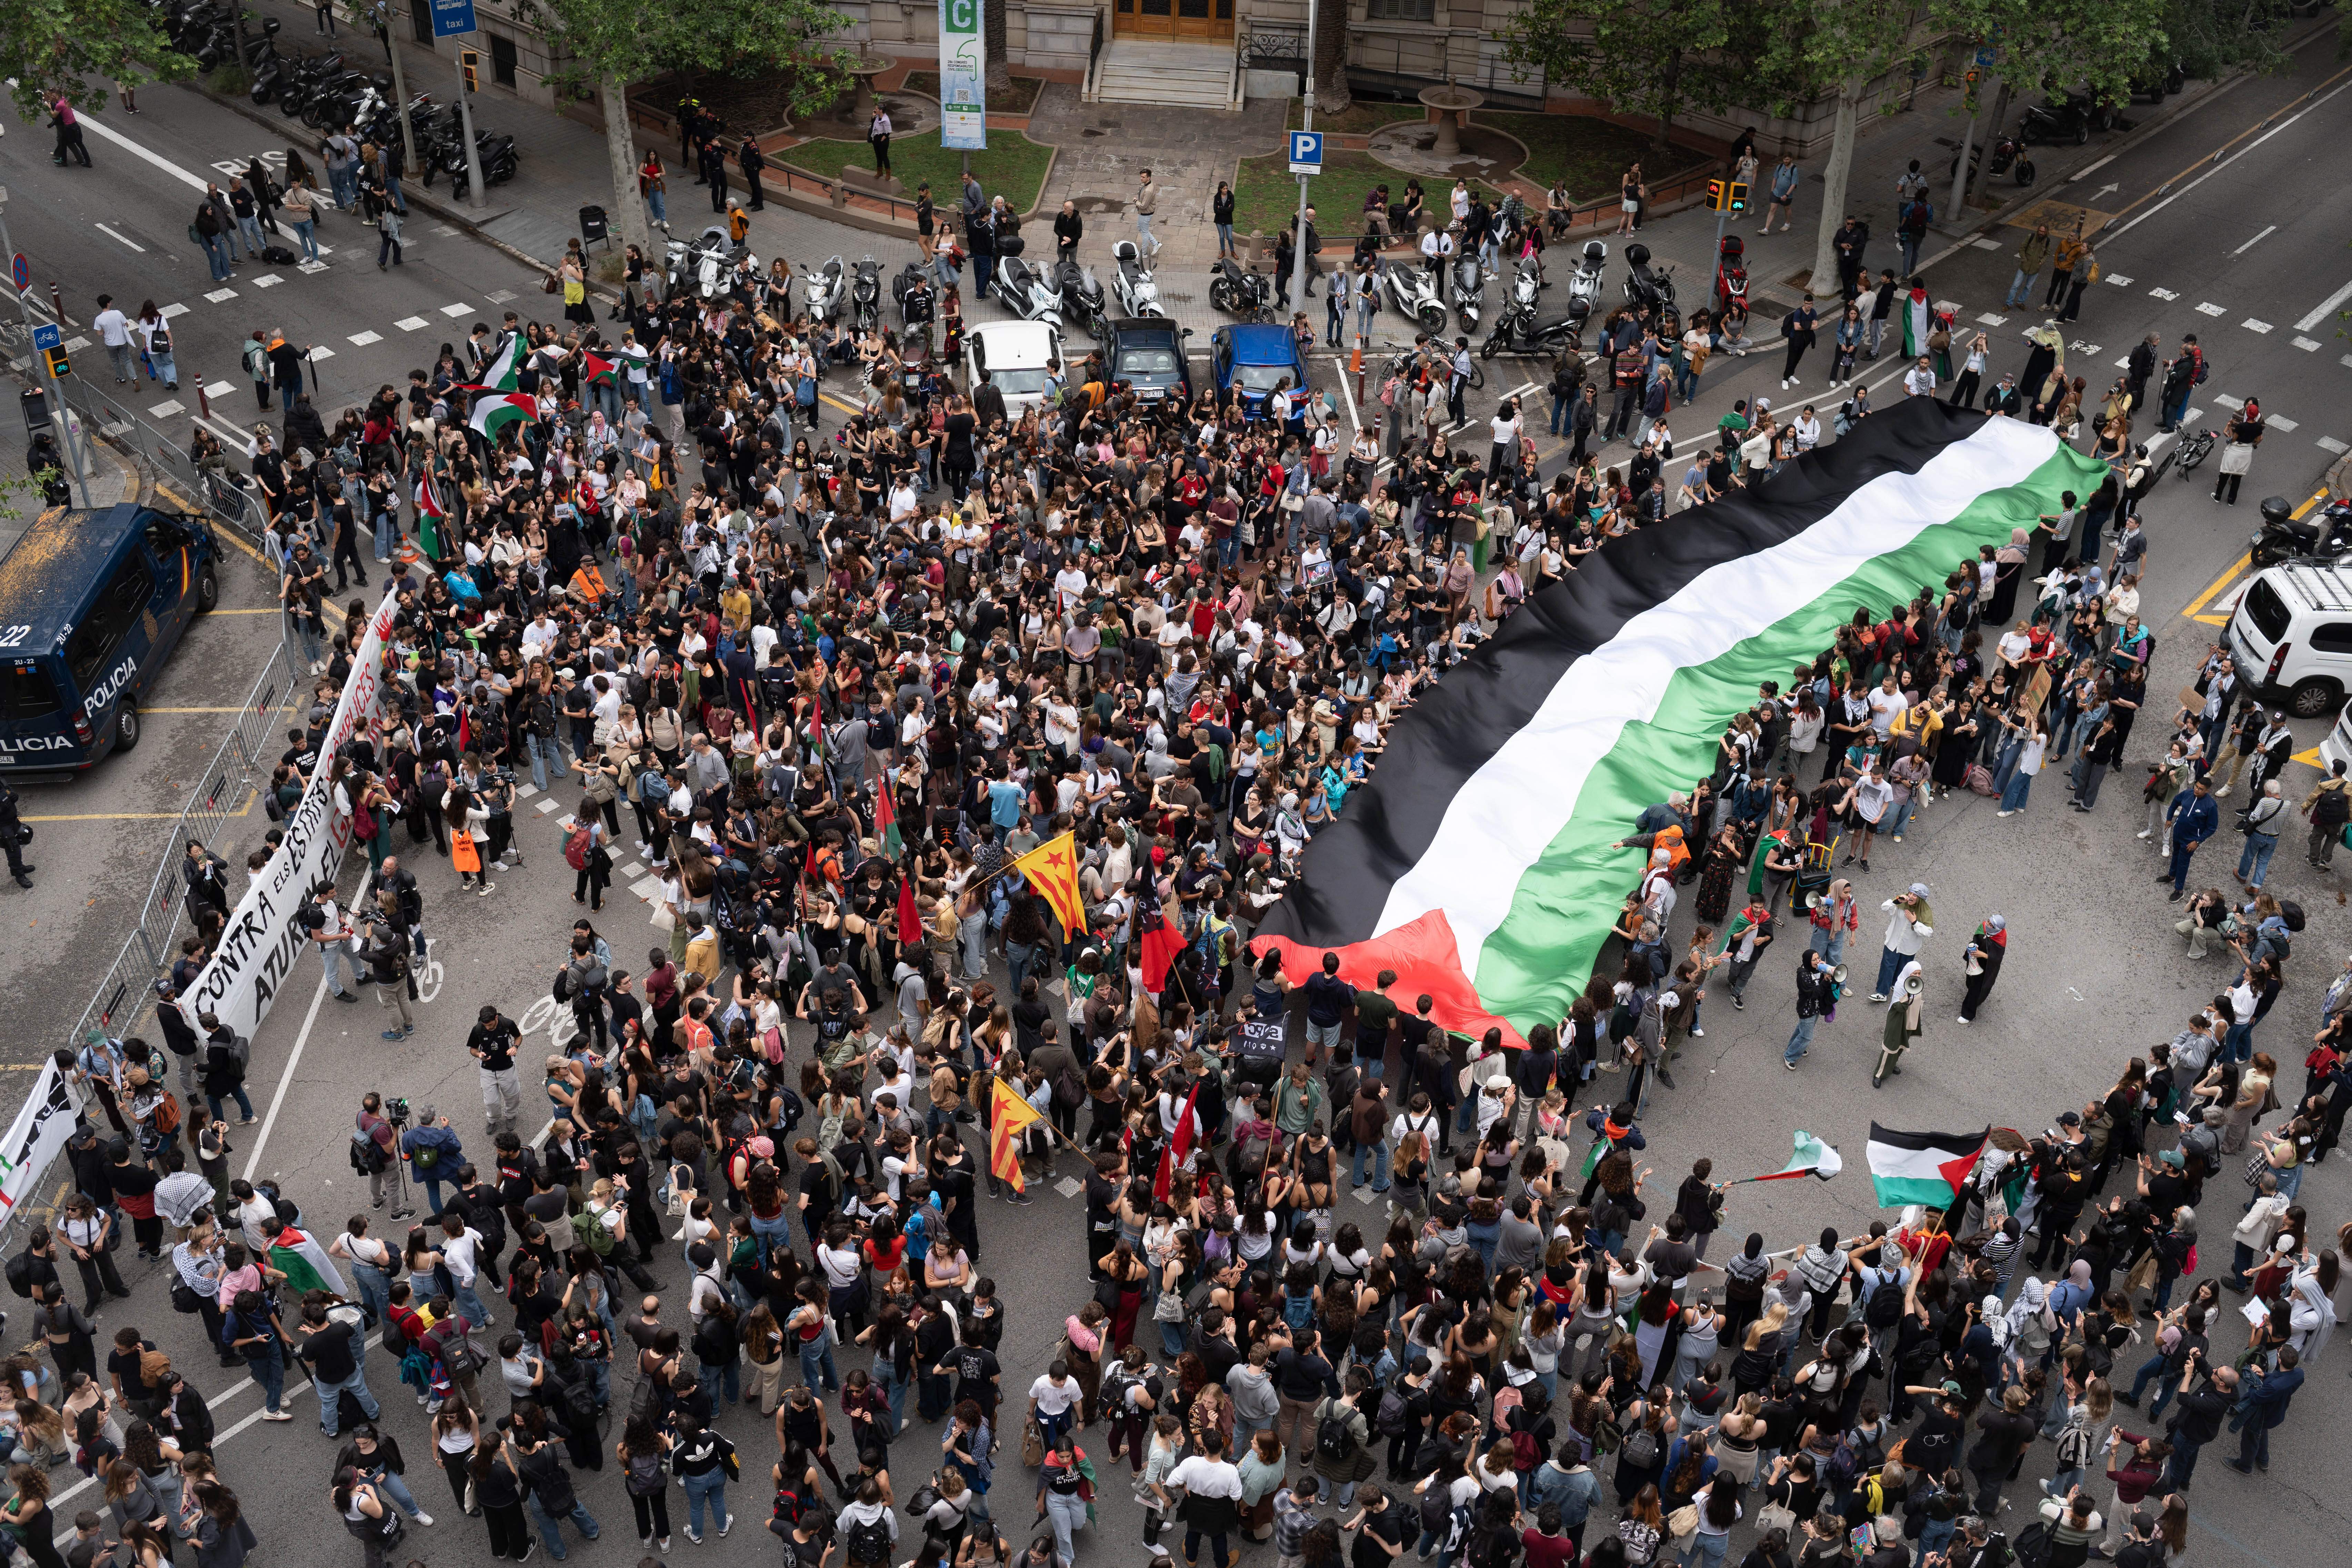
[1731,274]
[1469,290]
[1520,324]
[1647,287]
[865,295]
[917,300]
[824,297]
[1237,290]
[1082,295]
[2071,119]
[1132,286]
[1590,280]
[1027,293]
[2008,154]
[2327,537]
[1413,291]
[706,264]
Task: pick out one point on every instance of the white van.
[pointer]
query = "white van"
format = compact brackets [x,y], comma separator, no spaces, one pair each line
[2291,636]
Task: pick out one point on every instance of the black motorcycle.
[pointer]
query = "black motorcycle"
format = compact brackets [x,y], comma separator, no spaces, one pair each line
[2008,155]
[916,299]
[864,295]
[2072,119]
[2325,537]
[1082,296]
[1237,290]
[1520,324]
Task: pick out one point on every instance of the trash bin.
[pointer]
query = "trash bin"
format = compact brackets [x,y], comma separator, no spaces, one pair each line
[593,226]
[35,405]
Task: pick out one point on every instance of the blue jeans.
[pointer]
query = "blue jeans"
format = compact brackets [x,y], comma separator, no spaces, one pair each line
[1705,1547]
[167,370]
[894,1392]
[432,1194]
[658,203]
[1172,1338]
[249,230]
[2020,288]
[1890,964]
[345,184]
[270,1373]
[1225,239]
[1144,243]
[1830,943]
[1904,809]
[813,1362]
[375,1291]
[236,1093]
[1800,1041]
[1067,1514]
[710,1487]
[545,755]
[2238,1043]
[1052,1427]
[2012,798]
[2254,860]
[584,1521]
[326,1392]
[308,233]
[1559,417]
[726,1374]
[469,1307]
[1378,1153]
[2166,1385]
[1017,955]
[219,254]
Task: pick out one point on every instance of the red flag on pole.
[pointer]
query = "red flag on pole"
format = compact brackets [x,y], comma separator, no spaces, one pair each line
[1178,1149]
[911,922]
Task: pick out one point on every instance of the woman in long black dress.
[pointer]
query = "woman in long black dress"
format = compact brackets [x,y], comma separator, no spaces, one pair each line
[2008,571]
[1981,959]
[1958,747]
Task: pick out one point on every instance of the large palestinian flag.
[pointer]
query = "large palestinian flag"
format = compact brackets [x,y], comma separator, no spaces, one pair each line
[494,413]
[1477,862]
[1925,1168]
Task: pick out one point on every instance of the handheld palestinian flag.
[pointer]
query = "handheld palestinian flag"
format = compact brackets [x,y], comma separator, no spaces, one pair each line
[504,371]
[596,370]
[1008,1115]
[1480,861]
[885,822]
[1812,1158]
[428,497]
[496,412]
[1924,1168]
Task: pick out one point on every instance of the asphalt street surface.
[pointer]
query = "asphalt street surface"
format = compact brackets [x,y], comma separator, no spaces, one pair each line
[2094,970]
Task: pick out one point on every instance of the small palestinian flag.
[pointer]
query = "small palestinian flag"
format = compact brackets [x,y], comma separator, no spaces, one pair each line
[885,822]
[1480,861]
[1811,1158]
[504,371]
[428,497]
[496,412]
[595,370]
[1924,1168]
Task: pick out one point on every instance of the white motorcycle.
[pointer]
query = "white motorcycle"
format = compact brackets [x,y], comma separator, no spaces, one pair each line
[1132,286]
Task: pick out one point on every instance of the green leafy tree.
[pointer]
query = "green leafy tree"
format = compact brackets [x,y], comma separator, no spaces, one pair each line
[1655,58]
[1841,47]
[610,43]
[77,47]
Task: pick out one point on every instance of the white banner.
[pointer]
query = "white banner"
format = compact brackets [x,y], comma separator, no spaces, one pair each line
[261,947]
[964,75]
[37,1138]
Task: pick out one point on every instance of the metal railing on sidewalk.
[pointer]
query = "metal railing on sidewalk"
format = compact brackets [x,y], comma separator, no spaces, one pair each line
[226,502]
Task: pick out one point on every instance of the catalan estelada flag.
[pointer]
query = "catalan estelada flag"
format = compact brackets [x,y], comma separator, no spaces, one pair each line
[1008,1115]
[1053,869]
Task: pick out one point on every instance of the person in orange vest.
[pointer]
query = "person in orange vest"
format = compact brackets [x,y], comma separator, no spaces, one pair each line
[1670,838]
[589,583]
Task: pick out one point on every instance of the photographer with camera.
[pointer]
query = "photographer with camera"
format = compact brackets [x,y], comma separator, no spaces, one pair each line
[433,1151]
[386,956]
[375,1144]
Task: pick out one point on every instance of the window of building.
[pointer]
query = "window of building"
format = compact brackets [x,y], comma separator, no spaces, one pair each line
[502,60]
[1400,10]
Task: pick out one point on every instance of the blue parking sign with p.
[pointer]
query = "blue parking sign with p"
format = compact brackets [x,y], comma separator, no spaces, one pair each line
[1306,152]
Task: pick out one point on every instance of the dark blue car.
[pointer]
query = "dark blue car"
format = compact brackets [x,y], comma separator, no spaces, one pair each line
[1257,359]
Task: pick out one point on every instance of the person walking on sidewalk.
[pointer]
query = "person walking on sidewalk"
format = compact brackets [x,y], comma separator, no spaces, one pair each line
[1785,179]
[387,228]
[1797,326]
[2031,256]
[878,136]
[753,161]
[714,172]
[654,185]
[113,330]
[1146,201]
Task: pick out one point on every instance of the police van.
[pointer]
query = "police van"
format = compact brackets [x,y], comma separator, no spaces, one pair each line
[92,602]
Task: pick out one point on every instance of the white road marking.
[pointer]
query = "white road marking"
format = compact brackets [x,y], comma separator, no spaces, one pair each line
[2325,305]
[411,323]
[2253,325]
[221,296]
[2280,422]
[547,805]
[2226,400]
[166,409]
[267,280]
[2330,444]
[2306,344]
[2224,164]
[172,310]
[2086,173]
[2163,294]
[1983,243]
[362,340]
[75,345]
[2255,241]
[452,312]
[502,297]
[2119,280]
[219,389]
[2209,309]
[316,353]
[309,269]
[119,140]
[110,234]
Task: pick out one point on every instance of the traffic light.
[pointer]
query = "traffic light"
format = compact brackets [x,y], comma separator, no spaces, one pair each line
[470,62]
[1714,194]
[59,364]
[1736,199]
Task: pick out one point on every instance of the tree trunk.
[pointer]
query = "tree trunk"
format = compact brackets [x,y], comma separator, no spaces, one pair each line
[1331,64]
[1960,168]
[621,152]
[1668,81]
[1992,133]
[1835,175]
[999,68]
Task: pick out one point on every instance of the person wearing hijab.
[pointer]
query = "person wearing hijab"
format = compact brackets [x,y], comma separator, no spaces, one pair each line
[1918,317]
[1902,1025]
[2008,571]
[1981,959]
[2024,1319]
[2311,1305]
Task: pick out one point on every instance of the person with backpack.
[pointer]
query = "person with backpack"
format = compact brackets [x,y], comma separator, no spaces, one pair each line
[433,1154]
[644,1451]
[1342,1457]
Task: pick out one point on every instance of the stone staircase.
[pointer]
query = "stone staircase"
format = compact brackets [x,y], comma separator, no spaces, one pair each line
[1188,76]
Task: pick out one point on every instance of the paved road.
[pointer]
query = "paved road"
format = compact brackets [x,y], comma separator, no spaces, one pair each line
[2094,972]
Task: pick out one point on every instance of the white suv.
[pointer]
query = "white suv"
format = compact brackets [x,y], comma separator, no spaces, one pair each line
[2291,636]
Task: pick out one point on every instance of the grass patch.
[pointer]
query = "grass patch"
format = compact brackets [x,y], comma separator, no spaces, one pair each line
[1013,166]
[1591,153]
[1361,119]
[1019,101]
[1266,193]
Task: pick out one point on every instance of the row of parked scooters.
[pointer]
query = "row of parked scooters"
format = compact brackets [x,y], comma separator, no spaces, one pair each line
[328,94]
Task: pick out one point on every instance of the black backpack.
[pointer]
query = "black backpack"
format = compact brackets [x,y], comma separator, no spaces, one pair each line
[1334,1439]
[20,1275]
[1884,1308]
[868,1541]
[1388,1418]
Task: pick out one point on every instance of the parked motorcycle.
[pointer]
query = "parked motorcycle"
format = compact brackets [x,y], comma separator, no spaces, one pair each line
[1590,280]
[824,297]
[2071,119]
[499,161]
[1413,291]
[2324,537]
[1521,324]
[865,295]
[1027,293]
[1648,288]
[1731,274]
[301,79]
[917,299]
[1469,291]
[1082,295]
[706,264]
[2008,154]
[1132,286]
[1238,291]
